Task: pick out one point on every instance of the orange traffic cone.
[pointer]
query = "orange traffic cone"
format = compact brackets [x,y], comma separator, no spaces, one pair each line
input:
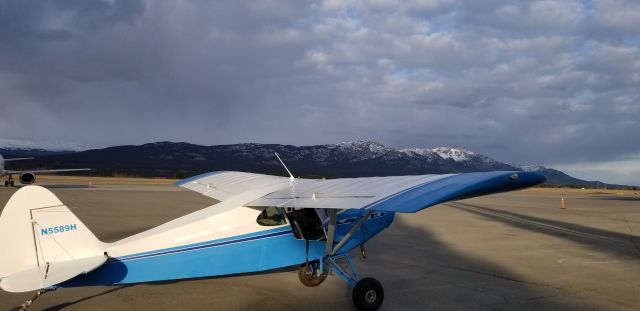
[562,203]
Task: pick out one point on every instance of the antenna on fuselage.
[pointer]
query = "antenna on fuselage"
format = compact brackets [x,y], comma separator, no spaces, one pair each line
[285,167]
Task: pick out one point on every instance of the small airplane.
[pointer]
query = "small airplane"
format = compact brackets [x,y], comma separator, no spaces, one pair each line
[27,177]
[261,223]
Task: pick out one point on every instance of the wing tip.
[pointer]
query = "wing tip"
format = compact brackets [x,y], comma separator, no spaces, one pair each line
[182,182]
[458,187]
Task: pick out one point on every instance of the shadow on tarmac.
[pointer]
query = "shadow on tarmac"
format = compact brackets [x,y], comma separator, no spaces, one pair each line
[421,273]
[601,240]
[68,304]
[418,272]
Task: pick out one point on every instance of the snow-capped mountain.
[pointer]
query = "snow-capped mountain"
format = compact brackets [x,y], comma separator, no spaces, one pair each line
[347,159]
[530,168]
[458,155]
[455,154]
[421,152]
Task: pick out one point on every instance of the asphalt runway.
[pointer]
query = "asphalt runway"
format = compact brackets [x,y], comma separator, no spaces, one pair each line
[513,251]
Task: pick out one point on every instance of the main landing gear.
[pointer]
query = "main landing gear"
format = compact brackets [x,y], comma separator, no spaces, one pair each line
[8,182]
[367,293]
[312,273]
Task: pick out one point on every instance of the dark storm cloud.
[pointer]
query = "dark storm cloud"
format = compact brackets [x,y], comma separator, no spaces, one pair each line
[546,82]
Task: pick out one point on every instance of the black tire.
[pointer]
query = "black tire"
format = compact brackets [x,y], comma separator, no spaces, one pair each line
[309,277]
[11,183]
[368,294]
[6,183]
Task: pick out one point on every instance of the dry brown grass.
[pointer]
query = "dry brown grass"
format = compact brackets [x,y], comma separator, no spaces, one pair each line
[104,180]
[581,191]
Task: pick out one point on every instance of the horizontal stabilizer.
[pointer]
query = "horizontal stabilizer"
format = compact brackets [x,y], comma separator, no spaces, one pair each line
[54,273]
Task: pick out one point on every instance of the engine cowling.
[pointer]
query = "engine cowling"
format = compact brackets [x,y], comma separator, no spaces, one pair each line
[28,178]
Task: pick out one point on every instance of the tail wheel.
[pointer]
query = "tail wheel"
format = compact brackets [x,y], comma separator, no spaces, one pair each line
[310,275]
[368,294]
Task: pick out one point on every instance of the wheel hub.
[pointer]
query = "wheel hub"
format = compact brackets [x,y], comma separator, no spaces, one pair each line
[370,296]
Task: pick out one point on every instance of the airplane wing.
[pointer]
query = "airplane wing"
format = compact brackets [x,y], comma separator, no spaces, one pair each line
[407,194]
[223,185]
[17,159]
[47,171]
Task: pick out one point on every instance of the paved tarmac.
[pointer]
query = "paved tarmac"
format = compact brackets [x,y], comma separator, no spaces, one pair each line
[513,251]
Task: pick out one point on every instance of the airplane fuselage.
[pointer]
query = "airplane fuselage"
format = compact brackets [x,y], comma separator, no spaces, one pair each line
[210,246]
[223,239]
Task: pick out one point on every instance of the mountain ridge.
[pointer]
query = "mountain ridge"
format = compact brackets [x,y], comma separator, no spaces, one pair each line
[346,159]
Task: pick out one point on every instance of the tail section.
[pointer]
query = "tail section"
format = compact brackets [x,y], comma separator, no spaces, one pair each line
[43,243]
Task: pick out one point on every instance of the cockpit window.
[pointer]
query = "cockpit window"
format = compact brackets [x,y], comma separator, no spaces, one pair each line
[271,216]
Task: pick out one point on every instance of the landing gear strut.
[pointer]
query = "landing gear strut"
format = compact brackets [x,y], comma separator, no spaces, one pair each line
[367,293]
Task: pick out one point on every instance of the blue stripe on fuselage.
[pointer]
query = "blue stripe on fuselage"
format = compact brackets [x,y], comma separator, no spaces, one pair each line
[254,252]
[259,251]
[283,230]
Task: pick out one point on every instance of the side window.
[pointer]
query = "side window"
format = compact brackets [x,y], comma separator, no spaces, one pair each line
[271,216]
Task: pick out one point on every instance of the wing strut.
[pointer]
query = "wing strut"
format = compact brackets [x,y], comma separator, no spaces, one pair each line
[332,230]
[353,230]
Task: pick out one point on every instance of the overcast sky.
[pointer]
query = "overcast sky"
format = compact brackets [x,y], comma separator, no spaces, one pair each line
[538,82]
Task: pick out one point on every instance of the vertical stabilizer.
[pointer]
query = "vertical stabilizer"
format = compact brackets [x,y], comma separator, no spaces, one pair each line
[43,243]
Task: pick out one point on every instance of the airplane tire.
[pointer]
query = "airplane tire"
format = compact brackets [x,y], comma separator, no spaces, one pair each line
[6,183]
[311,278]
[11,183]
[368,294]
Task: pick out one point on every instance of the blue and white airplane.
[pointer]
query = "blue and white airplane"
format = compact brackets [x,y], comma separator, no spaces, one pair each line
[261,223]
